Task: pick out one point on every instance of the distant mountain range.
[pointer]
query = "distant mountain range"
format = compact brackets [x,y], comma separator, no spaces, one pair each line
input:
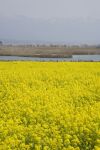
[33,30]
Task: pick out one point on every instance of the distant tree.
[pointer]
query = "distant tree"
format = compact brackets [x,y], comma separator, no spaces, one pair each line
[37,45]
[1,43]
[64,45]
[98,46]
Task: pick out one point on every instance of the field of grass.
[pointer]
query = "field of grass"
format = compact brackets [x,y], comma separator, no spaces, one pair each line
[49,106]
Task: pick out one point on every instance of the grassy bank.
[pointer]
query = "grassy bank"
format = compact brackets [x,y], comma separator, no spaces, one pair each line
[45,51]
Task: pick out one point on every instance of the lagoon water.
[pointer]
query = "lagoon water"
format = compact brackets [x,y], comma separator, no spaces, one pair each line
[73,58]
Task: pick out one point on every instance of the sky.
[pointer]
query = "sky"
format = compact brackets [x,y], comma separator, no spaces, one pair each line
[49,11]
[51,8]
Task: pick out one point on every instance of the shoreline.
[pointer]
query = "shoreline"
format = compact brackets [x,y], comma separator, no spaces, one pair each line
[47,51]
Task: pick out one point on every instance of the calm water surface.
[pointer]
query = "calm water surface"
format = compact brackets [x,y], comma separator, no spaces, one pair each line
[73,58]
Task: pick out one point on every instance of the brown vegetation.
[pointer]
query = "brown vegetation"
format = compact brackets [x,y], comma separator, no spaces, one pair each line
[46,51]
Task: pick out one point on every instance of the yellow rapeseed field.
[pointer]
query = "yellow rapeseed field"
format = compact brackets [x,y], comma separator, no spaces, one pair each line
[49,105]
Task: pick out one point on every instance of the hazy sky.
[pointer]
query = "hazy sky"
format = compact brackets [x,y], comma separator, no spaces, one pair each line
[72,21]
[51,8]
